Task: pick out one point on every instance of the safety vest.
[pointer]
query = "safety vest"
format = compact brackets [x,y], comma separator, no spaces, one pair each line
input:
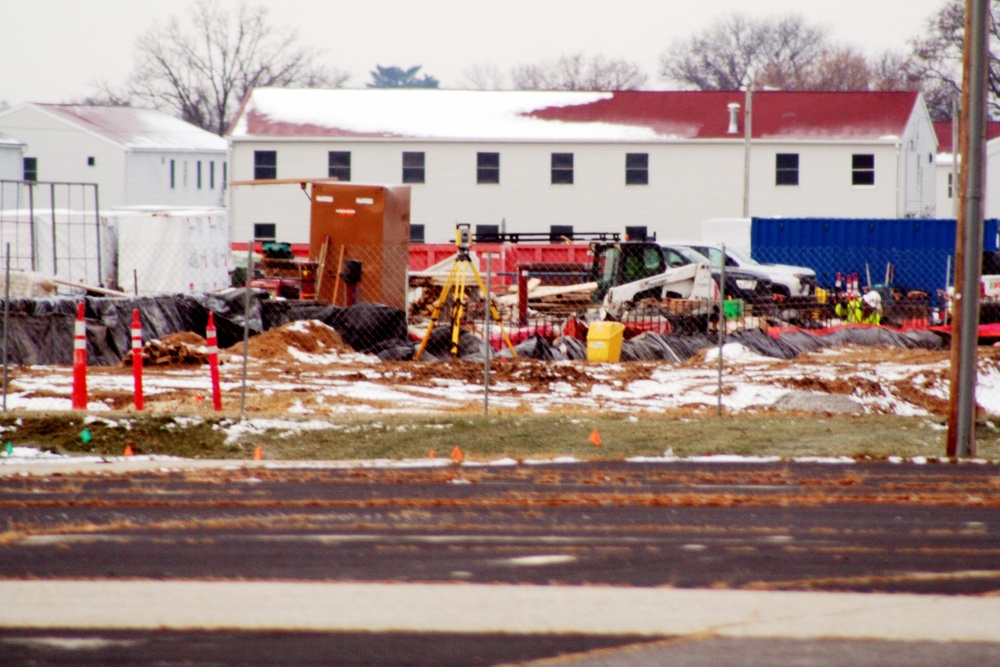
[853,313]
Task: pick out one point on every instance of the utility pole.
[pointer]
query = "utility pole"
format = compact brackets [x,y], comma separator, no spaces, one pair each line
[747,134]
[969,234]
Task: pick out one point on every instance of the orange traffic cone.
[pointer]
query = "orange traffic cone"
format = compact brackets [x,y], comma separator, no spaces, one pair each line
[258,453]
[456,454]
[128,451]
[431,454]
[595,438]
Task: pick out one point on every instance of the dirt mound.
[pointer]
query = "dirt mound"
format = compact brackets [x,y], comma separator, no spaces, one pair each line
[306,336]
[184,338]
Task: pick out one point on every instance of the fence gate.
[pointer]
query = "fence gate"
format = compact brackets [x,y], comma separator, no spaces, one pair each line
[54,228]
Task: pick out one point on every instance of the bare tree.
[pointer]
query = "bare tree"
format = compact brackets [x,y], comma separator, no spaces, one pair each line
[937,58]
[892,70]
[484,77]
[736,51]
[575,72]
[204,74]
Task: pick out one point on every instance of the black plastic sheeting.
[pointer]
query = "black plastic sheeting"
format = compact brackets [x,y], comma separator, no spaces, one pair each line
[40,331]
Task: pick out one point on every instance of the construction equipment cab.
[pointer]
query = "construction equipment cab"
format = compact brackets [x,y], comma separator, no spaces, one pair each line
[629,272]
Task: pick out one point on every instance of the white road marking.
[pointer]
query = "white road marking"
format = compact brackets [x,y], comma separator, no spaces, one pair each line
[463,607]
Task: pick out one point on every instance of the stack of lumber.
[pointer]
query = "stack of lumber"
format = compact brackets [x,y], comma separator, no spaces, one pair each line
[162,353]
[552,298]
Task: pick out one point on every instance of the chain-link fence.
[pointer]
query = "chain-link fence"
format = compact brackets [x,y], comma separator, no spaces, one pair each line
[53,230]
[62,243]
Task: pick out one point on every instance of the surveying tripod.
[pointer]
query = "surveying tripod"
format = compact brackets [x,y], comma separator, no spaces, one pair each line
[455,285]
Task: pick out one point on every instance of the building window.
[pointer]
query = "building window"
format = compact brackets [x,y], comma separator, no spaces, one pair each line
[786,169]
[636,168]
[487,167]
[338,165]
[211,175]
[91,161]
[199,174]
[413,167]
[173,174]
[31,169]
[562,169]
[416,233]
[265,231]
[950,185]
[225,169]
[265,164]
[863,169]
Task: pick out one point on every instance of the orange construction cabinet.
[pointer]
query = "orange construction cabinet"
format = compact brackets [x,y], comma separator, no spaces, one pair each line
[360,237]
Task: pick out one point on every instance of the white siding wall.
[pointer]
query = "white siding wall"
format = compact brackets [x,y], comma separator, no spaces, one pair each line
[918,183]
[992,203]
[688,182]
[148,179]
[825,188]
[11,166]
[62,153]
[992,195]
[524,200]
[943,203]
[124,178]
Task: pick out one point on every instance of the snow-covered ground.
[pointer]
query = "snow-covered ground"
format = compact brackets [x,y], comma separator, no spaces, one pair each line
[310,389]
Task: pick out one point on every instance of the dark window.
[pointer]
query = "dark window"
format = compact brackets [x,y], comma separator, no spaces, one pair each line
[637,169]
[173,174]
[416,233]
[950,195]
[339,165]
[487,234]
[487,167]
[211,175]
[560,233]
[265,231]
[786,169]
[265,164]
[225,169]
[562,168]
[199,174]
[413,167]
[636,233]
[863,169]
[31,169]
[91,161]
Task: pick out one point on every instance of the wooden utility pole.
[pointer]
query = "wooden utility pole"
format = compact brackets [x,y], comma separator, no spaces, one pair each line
[969,234]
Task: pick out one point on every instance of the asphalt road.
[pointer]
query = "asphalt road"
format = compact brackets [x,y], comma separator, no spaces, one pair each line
[763,536]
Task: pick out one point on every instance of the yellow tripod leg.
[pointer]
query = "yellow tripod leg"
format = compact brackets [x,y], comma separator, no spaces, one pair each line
[458,312]
[435,313]
[494,313]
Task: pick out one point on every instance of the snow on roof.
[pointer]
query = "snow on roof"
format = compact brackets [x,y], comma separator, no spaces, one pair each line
[139,129]
[942,128]
[549,115]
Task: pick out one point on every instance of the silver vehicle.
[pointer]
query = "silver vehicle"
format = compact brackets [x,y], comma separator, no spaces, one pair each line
[786,280]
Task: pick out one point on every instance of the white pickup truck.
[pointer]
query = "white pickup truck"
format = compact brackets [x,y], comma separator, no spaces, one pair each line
[786,280]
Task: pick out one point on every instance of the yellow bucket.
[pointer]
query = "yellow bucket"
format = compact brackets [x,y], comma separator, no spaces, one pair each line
[604,341]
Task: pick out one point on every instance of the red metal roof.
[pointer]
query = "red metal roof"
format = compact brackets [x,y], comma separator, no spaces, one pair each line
[942,128]
[705,114]
[642,115]
[137,128]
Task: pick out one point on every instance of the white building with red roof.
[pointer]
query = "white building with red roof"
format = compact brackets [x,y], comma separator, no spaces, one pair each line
[597,161]
[947,171]
[138,157]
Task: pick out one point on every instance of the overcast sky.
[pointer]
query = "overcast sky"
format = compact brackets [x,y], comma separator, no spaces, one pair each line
[53,50]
